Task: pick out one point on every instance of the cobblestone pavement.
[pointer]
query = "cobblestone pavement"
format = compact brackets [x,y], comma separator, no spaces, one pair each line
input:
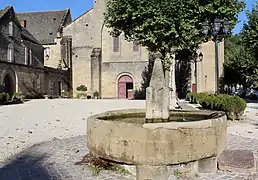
[56,160]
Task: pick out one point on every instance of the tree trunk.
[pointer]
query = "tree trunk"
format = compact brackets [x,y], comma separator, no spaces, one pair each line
[171,82]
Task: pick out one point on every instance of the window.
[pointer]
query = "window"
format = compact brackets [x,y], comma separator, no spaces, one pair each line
[26,54]
[47,53]
[116,44]
[10,28]
[29,57]
[135,46]
[10,53]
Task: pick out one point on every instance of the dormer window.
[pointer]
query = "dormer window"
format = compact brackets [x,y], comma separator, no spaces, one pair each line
[11,28]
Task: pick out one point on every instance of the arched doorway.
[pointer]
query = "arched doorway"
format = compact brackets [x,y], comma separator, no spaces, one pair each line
[125,87]
[9,84]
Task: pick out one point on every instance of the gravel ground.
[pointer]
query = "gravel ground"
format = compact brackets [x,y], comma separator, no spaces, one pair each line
[48,137]
[37,121]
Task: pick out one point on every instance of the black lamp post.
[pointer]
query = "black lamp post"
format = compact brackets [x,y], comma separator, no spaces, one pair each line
[218,30]
[200,59]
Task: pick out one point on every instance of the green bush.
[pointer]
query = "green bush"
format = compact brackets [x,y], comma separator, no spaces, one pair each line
[67,94]
[82,88]
[96,94]
[233,106]
[81,95]
[4,97]
[18,95]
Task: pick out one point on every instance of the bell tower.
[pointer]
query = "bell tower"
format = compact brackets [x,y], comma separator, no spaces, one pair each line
[99,10]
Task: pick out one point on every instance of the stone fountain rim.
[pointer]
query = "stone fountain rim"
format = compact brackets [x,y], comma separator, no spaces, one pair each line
[205,123]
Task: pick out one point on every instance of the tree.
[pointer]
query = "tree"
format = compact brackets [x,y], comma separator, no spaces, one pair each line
[239,62]
[249,39]
[167,26]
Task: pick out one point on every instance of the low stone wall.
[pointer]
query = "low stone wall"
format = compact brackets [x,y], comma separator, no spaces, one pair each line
[33,82]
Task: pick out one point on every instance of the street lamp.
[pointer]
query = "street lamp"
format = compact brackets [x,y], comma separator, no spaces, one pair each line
[199,59]
[218,30]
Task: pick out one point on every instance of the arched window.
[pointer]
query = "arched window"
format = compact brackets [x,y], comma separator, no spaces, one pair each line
[10,28]
[116,44]
[10,53]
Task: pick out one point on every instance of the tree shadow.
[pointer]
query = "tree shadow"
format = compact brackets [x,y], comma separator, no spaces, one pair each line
[28,167]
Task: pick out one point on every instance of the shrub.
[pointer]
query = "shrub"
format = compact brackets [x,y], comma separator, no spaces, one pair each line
[18,95]
[67,94]
[233,106]
[140,94]
[82,88]
[81,95]
[96,94]
[4,97]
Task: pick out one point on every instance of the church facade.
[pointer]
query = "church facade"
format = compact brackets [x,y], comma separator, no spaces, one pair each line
[113,67]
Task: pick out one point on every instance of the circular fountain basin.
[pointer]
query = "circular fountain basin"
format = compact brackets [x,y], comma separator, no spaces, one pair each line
[124,136]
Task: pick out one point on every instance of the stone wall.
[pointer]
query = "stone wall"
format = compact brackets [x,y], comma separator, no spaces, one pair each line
[34,82]
[112,71]
[81,31]
[206,69]
[19,45]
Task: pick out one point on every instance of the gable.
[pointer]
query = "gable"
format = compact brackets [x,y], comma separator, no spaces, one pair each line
[45,26]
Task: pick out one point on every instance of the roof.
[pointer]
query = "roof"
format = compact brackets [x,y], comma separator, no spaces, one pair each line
[4,11]
[24,32]
[80,16]
[27,35]
[45,25]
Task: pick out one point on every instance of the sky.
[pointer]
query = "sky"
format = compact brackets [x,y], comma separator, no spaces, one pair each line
[78,7]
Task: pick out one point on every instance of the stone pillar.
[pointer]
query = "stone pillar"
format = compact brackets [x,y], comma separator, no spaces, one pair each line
[208,165]
[147,172]
[95,70]
[157,101]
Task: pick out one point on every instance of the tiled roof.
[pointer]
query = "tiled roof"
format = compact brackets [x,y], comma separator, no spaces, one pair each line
[44,25]
[24,32]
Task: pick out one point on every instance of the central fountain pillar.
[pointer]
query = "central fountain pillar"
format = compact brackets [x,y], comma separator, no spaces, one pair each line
[157,101]
[157,110]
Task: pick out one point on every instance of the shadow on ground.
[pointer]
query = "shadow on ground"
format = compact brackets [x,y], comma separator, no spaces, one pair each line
[27,167]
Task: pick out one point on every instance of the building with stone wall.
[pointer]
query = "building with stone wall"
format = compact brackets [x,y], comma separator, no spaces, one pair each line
[22,61]
[113,66]
[110,65]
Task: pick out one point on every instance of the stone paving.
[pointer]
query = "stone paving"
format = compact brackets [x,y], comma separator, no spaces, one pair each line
[56,160]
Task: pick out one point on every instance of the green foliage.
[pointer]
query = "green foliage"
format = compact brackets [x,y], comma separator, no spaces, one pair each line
[140,94]
[168,25]
[82,88]
[234,106]
[239,63]
[67,94]
[18,95]
[81,95]
[96,94]
[4,97]
[249,54]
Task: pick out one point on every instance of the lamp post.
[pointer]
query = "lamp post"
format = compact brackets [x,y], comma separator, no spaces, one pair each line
[200,59]
[218,30]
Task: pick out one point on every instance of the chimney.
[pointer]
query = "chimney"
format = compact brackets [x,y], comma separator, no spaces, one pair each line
[23,23]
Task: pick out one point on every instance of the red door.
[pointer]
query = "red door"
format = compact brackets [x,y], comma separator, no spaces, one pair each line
[122,90]
[125,86]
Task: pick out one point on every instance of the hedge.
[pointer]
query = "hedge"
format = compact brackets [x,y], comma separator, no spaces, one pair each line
[233,106]
[4,97]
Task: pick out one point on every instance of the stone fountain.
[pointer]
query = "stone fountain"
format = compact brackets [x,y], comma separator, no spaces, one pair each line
[156,138]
